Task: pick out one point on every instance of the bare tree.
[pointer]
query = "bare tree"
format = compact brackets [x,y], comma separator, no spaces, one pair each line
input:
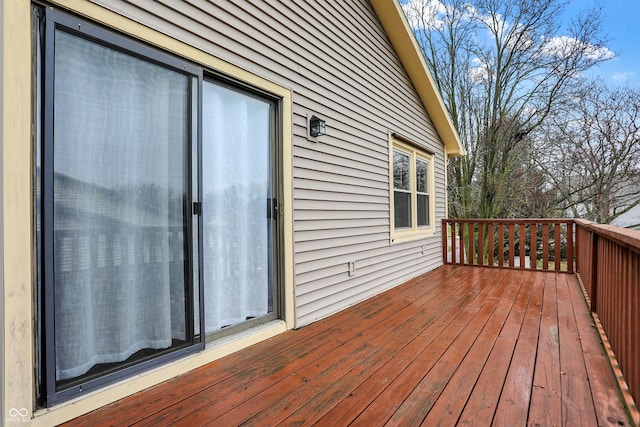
[501,66]
[593,153]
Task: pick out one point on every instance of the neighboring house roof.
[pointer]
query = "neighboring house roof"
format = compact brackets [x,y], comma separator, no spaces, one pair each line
[629,219]
[404,42]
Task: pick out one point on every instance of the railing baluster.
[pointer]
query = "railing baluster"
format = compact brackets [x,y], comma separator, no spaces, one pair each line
[471,233]
[445,241]
[491,244]
[545,246]
[556,246]
[533,246]
[453,242]
[461,243]
[481,244]
[512,245]
[523,245]
[501,245]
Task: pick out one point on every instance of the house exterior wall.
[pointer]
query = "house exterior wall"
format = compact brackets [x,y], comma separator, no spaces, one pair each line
[340,67]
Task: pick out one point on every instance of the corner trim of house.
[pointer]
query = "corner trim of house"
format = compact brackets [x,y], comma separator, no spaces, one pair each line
[16,372]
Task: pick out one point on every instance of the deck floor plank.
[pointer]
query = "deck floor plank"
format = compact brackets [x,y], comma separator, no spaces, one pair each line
[483,400]
[515,398]
[577,400]
[407,331]
[450,404]
[347,409]
[402,385]
[460,345]
[547,388]
[425,393]
[278,401]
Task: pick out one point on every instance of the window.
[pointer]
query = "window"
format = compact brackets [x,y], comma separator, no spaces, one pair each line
[402,189]
[411,176]
[151,186]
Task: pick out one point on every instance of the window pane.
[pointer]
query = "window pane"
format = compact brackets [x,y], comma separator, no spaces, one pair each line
[401,170]
[236,186]
[422,176]
[120,137]
[423,209]
[402,208]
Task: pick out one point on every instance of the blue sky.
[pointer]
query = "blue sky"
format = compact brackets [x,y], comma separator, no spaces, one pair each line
[621,23]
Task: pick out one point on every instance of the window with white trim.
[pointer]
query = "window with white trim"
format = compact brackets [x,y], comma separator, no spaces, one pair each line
[412,205]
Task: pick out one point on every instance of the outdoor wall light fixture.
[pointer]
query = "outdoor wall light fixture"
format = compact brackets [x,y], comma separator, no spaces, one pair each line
[317,126]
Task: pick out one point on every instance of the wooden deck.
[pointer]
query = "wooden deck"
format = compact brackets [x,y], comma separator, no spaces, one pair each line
[460,345]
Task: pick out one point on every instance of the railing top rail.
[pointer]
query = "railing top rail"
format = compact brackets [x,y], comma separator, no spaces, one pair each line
[622,236]
[511,220]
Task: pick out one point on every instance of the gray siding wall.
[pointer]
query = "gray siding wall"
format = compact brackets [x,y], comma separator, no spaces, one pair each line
[342,68]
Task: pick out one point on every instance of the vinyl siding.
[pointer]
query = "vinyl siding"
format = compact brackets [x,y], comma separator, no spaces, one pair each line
[343,69]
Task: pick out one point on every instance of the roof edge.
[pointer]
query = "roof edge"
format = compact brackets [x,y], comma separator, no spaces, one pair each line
[406,46]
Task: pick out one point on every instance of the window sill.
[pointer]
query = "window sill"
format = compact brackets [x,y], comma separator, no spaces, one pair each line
[410,235]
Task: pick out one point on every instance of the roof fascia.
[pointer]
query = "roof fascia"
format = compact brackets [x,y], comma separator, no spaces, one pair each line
[406,46]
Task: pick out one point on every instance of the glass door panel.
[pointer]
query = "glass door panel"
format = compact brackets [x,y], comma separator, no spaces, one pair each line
[118,168]
[237,190]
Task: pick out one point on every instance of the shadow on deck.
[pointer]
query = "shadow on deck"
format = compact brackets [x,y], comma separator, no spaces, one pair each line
[460,345]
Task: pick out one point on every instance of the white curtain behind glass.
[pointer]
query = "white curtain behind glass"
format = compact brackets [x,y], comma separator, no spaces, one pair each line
[119,154]
[236,187]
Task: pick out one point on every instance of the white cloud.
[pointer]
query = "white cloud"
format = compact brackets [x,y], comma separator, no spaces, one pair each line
[563,45]
[621,77]
[430,14]
[478,71]
[424,13]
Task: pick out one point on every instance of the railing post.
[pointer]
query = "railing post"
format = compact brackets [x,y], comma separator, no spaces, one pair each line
[570,247]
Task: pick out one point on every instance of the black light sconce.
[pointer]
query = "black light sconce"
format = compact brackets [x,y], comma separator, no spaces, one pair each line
[317,127]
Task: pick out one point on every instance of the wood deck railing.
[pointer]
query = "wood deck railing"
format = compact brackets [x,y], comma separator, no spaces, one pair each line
[608,262]
[532,244]
[606,258]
